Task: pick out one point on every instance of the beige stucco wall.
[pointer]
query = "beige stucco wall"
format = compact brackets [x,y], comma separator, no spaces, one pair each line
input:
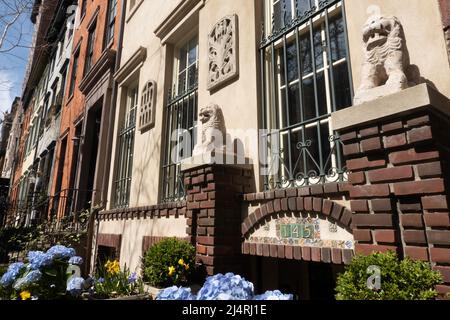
[422,24]
[139,32]
[133,232]
[239,98]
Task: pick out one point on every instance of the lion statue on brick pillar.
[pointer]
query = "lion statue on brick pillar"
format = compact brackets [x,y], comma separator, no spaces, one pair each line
[386,68]
[213,131]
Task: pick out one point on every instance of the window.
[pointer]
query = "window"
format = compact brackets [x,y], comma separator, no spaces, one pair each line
[110,21]
[83,8]
[73,77]
[90,49]
[306,77]
[125,149]
[181,118]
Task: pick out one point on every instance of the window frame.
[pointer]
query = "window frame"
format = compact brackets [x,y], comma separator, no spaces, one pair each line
[110,23]
[123,171]
[90,46]
[73,74]
[180,112]
[277,99]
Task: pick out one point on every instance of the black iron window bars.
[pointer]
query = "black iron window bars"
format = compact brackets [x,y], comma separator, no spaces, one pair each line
[181,121]
[306,76]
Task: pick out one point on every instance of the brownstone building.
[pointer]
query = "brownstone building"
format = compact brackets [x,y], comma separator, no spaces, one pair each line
[83,147]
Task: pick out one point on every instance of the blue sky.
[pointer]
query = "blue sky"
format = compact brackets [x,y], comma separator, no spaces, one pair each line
[13,63]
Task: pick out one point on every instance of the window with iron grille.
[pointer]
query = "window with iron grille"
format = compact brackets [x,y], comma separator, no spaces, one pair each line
[125,149]
[306,77]
[111,21]
[181,118]
[90,49]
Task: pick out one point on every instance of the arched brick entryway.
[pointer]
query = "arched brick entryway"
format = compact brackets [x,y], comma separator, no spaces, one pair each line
[279,208]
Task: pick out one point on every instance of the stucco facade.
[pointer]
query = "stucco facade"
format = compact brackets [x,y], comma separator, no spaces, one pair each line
[206,207]
[335,115]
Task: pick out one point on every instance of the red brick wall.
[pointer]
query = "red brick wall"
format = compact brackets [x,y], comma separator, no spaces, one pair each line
[74,105]
[399,172]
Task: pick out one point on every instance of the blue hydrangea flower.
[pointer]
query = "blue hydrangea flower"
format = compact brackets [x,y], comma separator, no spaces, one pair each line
[75,286]
[226,287]
[39,259]
[28,279]
[11,274]
[62,252]
[175,293]
[132,278]
[274,295]
[76,261]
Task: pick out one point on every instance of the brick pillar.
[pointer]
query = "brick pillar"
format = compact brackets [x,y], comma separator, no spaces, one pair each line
[399,168]
[398,157]
[214,197]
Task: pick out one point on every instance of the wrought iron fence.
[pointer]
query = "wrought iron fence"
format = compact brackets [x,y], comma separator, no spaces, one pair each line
[60,209]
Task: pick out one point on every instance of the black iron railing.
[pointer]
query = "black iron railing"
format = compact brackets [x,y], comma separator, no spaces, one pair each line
[62,209]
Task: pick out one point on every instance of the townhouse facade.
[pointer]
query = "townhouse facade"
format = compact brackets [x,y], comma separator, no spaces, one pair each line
[11,138]
[323,180]
[279,137]
[82,149]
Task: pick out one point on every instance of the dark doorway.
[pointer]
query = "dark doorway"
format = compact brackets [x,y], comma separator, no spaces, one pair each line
[104,254]
[90,153]
[61,162]
[305,280]
[321,281]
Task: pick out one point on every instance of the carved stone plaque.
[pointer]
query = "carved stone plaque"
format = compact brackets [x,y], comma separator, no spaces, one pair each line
[148,104]
[223,52]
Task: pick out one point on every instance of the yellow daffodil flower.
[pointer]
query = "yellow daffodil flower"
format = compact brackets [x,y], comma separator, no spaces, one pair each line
[171,270]
[25,295]
[112,267]
[186,266]
[181,262]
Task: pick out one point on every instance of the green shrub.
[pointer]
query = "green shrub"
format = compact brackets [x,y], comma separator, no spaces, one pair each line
[168,263]
[400,279]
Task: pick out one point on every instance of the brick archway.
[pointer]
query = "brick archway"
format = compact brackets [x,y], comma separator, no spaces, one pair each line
[297,205]
[325,207]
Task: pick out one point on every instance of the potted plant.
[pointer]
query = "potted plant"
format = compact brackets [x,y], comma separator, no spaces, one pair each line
[113,283]
[168,263]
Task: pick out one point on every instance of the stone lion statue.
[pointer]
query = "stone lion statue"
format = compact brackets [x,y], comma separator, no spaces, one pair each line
[213,130]
[386,68]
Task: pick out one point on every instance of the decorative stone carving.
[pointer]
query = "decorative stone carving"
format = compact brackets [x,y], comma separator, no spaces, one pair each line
[223,52]
[148,105]
[386,68]
[213,132]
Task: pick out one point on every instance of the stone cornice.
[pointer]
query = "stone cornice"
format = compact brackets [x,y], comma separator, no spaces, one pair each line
[180,13]
[133,62]
[105,63]
[401,103]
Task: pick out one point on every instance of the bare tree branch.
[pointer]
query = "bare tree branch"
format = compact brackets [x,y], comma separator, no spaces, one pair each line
[12,13]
